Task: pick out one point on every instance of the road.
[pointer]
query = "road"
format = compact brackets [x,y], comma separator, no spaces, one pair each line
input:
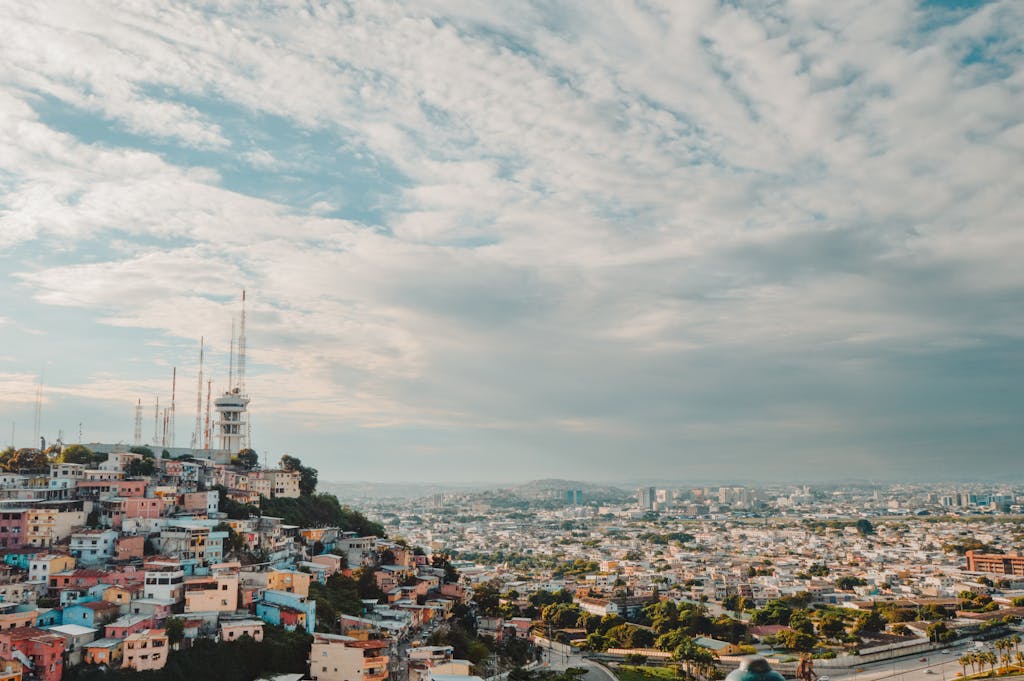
[595,672]
[937,666]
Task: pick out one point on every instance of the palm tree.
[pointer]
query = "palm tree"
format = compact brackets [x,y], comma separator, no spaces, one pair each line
[999,645]
[1016,641]
[1007,655]
[1019,657]
[975,660]
[992,660]
[964,660]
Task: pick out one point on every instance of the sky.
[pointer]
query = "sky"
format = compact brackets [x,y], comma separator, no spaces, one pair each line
[600,240]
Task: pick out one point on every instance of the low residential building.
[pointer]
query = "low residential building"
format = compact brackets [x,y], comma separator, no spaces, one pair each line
[232,630]
[107,651]
[42,566]
[291,581]
[340,658]
[43,649]
[288,610]
[146,650]
[216,593]
[93,547]
[77,638]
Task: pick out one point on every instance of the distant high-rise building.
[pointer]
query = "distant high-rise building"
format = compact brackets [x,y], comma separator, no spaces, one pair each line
[573,497]
[645,497]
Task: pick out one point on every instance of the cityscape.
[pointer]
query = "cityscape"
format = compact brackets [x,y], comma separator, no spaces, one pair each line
[590,340]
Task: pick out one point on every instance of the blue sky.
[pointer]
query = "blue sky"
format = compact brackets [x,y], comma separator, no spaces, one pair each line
[486,241]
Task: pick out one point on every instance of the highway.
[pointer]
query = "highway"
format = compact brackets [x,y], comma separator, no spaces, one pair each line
[937,666]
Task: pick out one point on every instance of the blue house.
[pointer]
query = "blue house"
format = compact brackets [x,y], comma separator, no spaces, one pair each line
[288,610]
[93,614]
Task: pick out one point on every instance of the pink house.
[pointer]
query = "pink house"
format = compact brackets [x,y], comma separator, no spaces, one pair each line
[124,627]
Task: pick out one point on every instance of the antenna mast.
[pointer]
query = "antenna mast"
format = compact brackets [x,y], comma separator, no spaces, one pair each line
[156,421]
[241,351]
[138,422]
[198,430]
[231,359]
[206,429]
[174,388]
[38,415]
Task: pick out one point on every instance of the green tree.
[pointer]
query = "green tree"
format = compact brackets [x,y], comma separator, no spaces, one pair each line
[247,459]
[140,468]
[76,454]
[865,527]
[146,452]
[870,622]
[175,627]
[28,460]
[797,640]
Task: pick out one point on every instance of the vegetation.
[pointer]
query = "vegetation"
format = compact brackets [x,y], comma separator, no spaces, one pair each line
[26,460]
[247,459]
[340,595]
[321,510]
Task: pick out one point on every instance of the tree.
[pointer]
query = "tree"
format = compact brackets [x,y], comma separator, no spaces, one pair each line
[76,454]
[865,527]
[247,459]
[938,632]
[797,640]
[869,623]
[28,460]
[831,626]
[146,452]
[848,582]
[175,627]
[140,468]
[308,476]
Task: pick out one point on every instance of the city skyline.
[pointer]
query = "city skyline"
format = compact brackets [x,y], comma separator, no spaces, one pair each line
[596,241]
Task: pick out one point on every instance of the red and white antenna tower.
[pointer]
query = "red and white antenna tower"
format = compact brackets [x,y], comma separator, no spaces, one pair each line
[138,422]
[197,431]
[174,390]
[241,350]
[206,429]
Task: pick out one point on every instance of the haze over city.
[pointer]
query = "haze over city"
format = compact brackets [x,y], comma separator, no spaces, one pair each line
[502,241]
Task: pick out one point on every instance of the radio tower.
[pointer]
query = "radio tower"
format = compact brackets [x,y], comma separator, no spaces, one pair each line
[206,428]
[232,427]
[138,422]
[197,431]
[156,421]
[241,351]
[38,415]
[174,388]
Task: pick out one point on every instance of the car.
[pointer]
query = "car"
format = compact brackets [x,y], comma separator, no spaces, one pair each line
[947,651]
[929,671]
[923,659]
[824,678]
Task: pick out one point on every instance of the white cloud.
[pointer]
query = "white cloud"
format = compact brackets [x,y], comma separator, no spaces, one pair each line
[578,188]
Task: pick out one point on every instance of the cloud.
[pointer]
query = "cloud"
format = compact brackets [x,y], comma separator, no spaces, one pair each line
[529,228]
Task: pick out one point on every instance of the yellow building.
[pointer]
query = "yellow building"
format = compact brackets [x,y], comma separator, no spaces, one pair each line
[292,581]
[10,670]
[216,593]
[108,651]
[146,650]
[41,568]
[39,525]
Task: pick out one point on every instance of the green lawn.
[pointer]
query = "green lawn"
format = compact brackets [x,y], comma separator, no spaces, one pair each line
[632,673]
